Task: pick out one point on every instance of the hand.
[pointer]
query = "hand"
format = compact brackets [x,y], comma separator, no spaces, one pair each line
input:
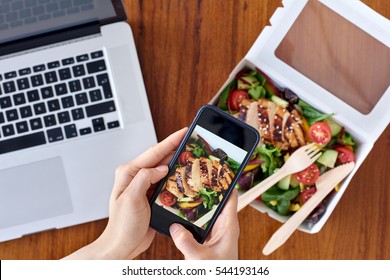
[127,233]
[222,242]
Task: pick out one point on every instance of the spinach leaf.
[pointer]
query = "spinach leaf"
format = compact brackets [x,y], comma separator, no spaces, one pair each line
[275,193]
[223,98]
[311,114]
[208,198]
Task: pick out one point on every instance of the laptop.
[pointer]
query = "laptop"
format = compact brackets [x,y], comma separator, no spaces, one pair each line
[72,108]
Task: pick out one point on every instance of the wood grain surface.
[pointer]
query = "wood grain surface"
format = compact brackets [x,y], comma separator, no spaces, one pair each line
[187,48]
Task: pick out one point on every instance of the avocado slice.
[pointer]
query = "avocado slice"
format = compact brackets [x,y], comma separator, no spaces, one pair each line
[279,101]
[335,128]
[328,158]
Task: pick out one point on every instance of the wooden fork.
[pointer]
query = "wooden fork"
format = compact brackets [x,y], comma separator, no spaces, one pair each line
[298,161]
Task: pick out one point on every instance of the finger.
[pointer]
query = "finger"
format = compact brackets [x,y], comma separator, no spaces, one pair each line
[160,151]
[227,221]
[230,208]
[143,180]
[184,240]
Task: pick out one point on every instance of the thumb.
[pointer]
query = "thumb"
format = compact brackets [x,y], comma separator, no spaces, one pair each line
[144,179]
[184,240]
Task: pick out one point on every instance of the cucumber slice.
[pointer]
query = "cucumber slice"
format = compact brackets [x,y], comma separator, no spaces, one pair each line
[213,158]
[284,184]
[335,128]
[328,158]
[247,82]
[279,101]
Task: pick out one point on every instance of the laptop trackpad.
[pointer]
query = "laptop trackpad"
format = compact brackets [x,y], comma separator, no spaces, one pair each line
[33,192]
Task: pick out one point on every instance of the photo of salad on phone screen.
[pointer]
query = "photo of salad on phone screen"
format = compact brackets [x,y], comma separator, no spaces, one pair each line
[201,176]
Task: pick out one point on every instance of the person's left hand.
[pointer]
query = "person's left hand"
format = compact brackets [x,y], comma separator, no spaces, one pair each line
[128,233]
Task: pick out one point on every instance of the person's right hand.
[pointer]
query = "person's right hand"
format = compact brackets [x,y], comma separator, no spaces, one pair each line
[222,242]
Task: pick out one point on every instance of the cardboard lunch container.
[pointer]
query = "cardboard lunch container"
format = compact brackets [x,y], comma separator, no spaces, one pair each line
[335,55]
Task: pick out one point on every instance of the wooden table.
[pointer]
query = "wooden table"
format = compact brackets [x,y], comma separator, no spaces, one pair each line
[187,48]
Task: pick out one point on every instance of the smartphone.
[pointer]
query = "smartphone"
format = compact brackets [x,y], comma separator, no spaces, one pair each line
[203,172]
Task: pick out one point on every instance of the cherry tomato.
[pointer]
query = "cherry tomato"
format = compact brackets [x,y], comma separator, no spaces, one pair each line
[184,156]
[306,194]
[345,155]
[320,133]
[167,198]
[309,175]
[235,98]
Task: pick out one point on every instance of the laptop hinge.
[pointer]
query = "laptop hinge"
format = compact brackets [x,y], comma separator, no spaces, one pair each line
[50,38]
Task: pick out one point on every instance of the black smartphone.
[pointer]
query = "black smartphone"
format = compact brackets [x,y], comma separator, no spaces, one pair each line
[203,172]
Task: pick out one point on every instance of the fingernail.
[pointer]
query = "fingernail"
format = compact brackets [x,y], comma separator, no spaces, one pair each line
[174,228]
[162,168]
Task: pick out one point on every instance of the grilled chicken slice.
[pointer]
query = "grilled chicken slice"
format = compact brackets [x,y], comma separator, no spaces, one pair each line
[177,185]
[277,126]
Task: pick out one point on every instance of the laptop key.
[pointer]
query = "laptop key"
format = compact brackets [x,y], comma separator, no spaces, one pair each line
[97,54]
[63,117]
[8,130]
[113,124]
[104,82]
[86,130]
[25,112]
[89,82]
[53,105]
[24,71]
[81,58]
[36,123]
[96,66]
[33,95]
[74,85]
[55,134]
[98,124]
[68,61]
[78,70]
[39,108]
[70,131]
[39,68]
[51,77]
[12,115]
[23,84]
[36,80]
[53,64]
[100,108]
[22,142]
[21,127]
[9,87]
[2,120]
[81,98]
[95,95]
[47,92]
[61,89]
[10,75]
[19,98]
[77,114]
[67,102]
[5,102]
[64,74]
[49,120]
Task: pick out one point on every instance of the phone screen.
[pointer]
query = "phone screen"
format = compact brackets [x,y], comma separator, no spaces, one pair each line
[203,172]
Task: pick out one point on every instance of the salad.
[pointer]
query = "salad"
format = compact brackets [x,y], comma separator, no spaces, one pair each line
[285,123]
[199,181]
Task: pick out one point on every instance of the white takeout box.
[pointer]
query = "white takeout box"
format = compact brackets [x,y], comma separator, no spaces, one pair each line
[364,113]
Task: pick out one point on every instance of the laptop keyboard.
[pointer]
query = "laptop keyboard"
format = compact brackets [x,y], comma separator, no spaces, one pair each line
[55,101]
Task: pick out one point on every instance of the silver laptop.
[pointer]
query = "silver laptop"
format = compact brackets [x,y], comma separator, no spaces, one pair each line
[72,107]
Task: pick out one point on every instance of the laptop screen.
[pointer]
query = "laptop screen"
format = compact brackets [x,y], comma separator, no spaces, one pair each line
[27,18]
